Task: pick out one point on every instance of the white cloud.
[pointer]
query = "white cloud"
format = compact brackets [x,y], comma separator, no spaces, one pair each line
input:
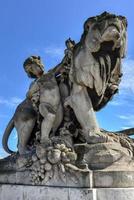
[54,51]
[125,127]
[15,136]
[124,117]
[126,87]
[11,102]
[129,120]
[116,102]
[127,83]
[2,153]
[16,100]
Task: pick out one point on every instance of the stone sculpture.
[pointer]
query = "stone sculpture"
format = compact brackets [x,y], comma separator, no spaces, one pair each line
[59,139]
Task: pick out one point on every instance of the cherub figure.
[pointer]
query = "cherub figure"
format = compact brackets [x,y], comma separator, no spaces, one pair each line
[45,96]
[42,98]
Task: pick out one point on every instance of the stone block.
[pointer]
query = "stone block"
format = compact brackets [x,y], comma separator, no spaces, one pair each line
[80,179]
[23,192]
[11,192]
[44,193]
[80,194]
[113,179]
[115,194]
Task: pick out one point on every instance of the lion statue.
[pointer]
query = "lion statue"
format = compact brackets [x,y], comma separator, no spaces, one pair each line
[87,77]
[96,67]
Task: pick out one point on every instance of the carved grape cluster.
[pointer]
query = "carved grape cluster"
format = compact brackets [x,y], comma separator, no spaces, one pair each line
[49,162]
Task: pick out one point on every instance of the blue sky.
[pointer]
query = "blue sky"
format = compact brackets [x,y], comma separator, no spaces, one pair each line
[41,27]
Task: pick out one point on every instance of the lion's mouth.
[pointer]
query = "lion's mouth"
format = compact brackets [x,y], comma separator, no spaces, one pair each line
[110,69]
[112,46]
[106,56]
[112,33]
[106,44]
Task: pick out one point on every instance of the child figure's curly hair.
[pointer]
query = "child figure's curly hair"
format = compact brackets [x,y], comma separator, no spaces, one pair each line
[32,60]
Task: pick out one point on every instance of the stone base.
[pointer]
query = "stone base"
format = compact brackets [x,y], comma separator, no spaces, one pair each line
[21,192]
[92,179]
[81,180]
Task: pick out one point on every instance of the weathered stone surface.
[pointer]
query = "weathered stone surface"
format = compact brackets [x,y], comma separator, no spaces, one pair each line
[113,179]
[80,194]
[19,192]
[81,179]
[115,194]
[92,179]
[15,177]
[101,155]
[11,192]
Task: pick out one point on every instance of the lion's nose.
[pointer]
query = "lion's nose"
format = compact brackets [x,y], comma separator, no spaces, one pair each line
[111,33]
[115,33]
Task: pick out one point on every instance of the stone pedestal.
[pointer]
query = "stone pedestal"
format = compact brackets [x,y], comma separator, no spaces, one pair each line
[92,179]
[21,192]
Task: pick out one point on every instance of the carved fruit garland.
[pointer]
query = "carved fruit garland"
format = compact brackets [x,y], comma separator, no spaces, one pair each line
[51,162]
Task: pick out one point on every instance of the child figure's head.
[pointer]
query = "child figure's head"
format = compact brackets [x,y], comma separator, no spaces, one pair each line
[33,66]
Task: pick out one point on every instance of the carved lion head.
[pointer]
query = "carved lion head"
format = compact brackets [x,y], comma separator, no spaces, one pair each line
[106,30]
